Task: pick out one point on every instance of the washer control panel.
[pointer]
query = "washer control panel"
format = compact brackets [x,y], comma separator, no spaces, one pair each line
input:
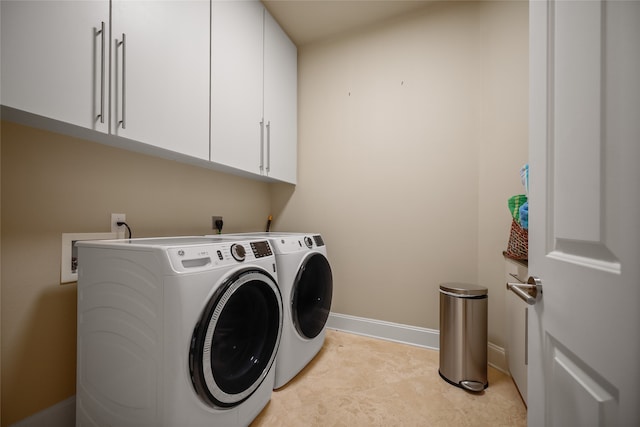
[188,258]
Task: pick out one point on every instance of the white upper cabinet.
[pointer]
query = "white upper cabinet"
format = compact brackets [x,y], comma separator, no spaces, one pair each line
[236,84]
[53,62]
[280,102]
[58,56]
[160,74]
[253,91]
[212,83]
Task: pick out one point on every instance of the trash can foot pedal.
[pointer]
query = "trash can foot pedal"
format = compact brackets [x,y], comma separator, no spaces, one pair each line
[472,385]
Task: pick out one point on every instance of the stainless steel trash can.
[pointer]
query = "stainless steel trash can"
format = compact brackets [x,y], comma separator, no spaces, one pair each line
[463,335]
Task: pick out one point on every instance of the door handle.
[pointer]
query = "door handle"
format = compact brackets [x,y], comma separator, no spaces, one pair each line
[530,292]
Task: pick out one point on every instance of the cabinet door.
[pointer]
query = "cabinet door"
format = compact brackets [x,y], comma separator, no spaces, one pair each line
[160,69]
[280,102]
[236,84]
[52,62]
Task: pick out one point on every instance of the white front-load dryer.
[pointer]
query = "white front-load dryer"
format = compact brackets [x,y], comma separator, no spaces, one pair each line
[306,284]
[176,331]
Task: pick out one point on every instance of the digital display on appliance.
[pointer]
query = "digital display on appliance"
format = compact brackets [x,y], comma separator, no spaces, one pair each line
[261,249]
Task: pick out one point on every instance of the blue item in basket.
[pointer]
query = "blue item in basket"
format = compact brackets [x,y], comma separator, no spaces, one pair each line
[524,215]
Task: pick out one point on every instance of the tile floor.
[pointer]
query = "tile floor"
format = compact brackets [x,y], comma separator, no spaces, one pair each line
[360,381]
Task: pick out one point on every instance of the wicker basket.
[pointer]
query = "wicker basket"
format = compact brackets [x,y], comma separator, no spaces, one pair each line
[518,246]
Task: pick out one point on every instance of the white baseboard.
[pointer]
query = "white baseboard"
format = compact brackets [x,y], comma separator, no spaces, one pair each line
[406,334]
[62,414]
[497,358]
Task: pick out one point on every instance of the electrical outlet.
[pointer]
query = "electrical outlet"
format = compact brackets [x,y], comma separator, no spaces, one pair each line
[213,222]
[115,219]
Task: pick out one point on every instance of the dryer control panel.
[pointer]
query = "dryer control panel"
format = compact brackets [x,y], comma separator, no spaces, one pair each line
[287,244]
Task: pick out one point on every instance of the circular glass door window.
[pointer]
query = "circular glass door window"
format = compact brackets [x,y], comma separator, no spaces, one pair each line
[235,342]
[311,296]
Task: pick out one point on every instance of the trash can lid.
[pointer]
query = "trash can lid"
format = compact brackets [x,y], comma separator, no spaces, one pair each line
[463,289]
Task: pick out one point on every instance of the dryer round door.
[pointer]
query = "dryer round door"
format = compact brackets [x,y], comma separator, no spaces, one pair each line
[236,339]
[311,296]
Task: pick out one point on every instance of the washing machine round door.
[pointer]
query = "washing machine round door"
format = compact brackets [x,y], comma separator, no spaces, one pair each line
[311,296]
[236,339]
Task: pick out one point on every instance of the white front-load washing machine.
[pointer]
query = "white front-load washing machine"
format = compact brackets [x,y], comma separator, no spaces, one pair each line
[177,331]
[306,284]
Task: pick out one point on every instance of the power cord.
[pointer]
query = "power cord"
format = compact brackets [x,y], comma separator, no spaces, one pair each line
[121,223]
[219,224]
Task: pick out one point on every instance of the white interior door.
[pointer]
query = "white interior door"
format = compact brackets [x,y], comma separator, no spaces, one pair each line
[584,334]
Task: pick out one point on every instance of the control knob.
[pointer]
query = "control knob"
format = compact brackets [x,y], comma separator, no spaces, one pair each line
[238,252]
[308,242]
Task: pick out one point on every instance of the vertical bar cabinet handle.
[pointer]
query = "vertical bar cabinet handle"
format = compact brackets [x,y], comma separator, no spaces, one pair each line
[261,145]
[101,32]
[123,43]
[268,146]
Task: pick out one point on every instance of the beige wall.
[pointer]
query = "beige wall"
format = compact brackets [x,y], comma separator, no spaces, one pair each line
[411,136]
[503,142]
[53,184]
